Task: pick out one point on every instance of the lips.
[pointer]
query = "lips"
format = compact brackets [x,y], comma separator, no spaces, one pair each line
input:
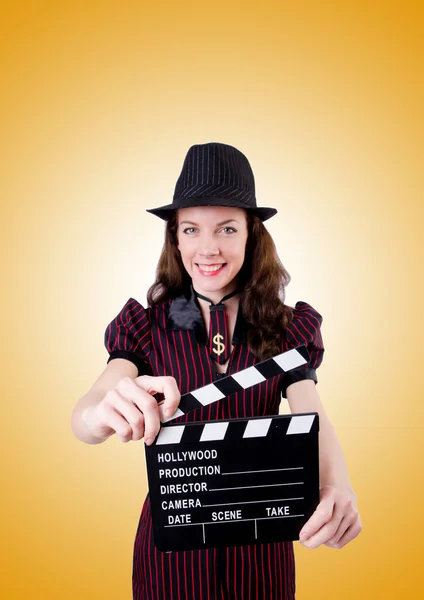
[210,270]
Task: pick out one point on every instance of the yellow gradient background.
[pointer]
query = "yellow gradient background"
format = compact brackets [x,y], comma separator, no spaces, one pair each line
[100,102]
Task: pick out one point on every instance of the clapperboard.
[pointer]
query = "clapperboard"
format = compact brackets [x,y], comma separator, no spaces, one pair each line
[240,481]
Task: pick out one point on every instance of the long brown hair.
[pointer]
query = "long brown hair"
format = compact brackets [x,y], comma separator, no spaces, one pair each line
[262,281]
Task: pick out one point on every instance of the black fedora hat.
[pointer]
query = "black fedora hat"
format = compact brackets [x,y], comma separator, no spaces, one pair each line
[215,174]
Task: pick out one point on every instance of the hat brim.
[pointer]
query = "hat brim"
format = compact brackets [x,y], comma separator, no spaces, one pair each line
[164,212]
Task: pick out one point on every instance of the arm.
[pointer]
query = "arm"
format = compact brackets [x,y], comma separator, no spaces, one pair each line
[302,396]
[336,520]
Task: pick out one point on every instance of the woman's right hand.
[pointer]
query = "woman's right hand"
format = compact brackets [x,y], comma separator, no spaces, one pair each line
[130,411]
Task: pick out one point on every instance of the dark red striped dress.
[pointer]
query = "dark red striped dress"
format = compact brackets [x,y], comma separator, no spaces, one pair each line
[171,339]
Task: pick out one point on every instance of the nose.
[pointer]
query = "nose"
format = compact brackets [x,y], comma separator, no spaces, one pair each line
[208,251]
[208,246]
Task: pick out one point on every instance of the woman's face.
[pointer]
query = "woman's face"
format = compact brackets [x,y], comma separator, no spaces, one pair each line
[212,243]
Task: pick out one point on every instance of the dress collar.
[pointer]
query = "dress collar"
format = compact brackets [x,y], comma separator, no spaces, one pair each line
[184,313]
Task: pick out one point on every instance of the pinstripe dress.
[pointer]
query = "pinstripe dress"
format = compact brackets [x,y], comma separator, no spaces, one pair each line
[170,339]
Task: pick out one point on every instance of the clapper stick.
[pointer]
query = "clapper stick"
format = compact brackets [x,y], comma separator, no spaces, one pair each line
[281,363]
[239,481]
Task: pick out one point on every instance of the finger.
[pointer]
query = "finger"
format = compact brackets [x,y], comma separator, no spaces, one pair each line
[168,386]
[114,419]
[351,533]
[172,396]
[322,535]
[99,428]
[327,531]
[346,533]
[132,414]
[145,402]
[322,515]
[343,525]
[170,413]
[348,519]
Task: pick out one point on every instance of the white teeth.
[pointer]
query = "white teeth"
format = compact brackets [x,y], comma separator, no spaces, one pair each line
[208,268]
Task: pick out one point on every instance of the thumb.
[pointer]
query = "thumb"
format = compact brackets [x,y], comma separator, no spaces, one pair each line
[168,387]
[321,516]
[169,410]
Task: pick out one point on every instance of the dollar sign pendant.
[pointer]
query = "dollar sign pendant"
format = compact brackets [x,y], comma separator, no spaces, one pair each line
[218,334]
[220,347]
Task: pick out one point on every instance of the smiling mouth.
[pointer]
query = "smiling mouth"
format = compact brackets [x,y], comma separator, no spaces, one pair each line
[211,268]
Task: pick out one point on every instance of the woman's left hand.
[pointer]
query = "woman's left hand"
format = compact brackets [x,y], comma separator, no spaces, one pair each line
[335,521]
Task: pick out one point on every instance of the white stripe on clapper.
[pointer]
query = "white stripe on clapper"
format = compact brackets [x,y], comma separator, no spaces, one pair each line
[289,360]
[257,428]
[170,435]
[248,377]
[208,394]
[214,431]
[300,424]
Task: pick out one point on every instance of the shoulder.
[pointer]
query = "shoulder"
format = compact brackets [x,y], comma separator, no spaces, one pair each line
[129,330]
[305,324]
[306,313]
[304,329]
[131,310]
[129,314]
[131,319]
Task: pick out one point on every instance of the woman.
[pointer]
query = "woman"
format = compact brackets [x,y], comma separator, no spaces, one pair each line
[216,307]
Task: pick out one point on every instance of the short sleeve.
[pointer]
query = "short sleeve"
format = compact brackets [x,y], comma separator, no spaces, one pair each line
[304,328]
[128,336]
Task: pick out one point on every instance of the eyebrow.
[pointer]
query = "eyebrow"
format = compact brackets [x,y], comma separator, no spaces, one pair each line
[221,223]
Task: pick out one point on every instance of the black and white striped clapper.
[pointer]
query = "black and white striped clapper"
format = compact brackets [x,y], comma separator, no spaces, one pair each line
[236,482]
[276,365]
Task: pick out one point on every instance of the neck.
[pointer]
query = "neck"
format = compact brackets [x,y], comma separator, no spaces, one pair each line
[216,297]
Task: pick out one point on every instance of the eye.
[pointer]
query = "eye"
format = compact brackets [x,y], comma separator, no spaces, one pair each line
[188,230]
